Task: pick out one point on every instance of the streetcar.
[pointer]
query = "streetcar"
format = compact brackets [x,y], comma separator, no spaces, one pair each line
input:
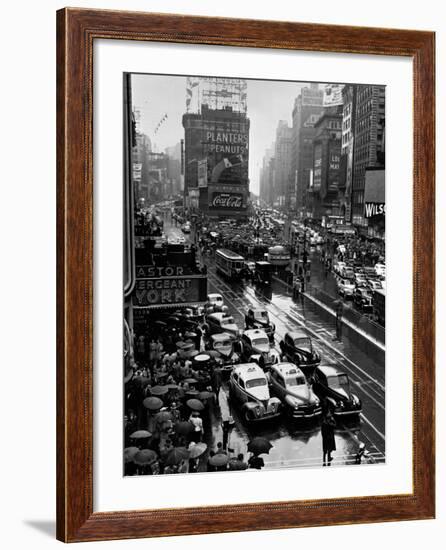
[278,256]
[229,263]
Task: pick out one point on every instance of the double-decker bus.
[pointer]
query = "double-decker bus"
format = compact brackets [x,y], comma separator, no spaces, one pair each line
[229,263]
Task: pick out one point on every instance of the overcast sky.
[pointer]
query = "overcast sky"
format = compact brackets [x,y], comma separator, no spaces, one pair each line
[267,103]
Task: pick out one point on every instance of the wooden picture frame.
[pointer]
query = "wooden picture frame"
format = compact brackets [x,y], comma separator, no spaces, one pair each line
[77,29]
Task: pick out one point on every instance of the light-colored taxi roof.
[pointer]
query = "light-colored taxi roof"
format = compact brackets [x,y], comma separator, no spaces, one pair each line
[255,332]
[330,370]
[248,371]
[287,368]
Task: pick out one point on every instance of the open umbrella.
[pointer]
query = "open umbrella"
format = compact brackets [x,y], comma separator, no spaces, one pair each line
[172,386]
[163,416]
[220,459]
[191,354]
[162,374]
[159,390]
[176,455]
[259,445]
[152,403]
[203,395]
[197,450]
[201,359]
[181,344]
[190,335]
[184,428]
[145,457]
[129,453]
[195,404]
[140,434]
[191,380]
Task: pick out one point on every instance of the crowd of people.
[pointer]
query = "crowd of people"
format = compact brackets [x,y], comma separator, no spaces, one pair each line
[173,398]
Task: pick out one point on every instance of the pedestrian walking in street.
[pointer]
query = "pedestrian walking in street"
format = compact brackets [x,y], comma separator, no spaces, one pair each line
[256,462]
[328,438]
[197,422]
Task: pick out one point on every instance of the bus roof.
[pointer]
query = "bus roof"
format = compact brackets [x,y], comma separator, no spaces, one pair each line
[229,254]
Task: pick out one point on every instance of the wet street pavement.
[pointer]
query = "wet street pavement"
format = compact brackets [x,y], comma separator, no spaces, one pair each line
[297,445]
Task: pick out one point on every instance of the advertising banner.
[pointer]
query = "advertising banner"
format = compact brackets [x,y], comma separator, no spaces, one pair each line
[202,173]
[170,291]
[226,201]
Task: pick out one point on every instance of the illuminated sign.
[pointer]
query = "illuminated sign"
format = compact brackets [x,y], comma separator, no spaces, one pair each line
[374,209]
[159,291]
[226,201]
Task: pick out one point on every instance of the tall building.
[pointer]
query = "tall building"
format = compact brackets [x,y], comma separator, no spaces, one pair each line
[174,168]
[347,146]
[216,146]
[326,163]
[307,109]
[369,141]
[265,176]
[282,155]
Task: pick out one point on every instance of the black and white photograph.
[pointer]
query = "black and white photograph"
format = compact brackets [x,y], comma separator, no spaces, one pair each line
[254,274]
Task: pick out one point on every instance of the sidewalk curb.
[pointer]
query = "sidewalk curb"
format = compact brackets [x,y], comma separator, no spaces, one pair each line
[346,322]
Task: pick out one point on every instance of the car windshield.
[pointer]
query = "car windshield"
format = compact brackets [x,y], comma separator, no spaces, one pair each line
[255,382]
[227,321]
[295,381]
[260,342]
[304,343]
[339,381]
[261,316]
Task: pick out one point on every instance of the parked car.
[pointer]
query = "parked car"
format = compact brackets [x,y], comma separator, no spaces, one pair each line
[362,298]
[332,385]
[214,303]
[223,344]
[380,269]
[338,267]
[360,279]
[347,272]
[248,388]
[255,346]
[374,284]
[221,322]
[346,288]
[259,318]
[289,384]
[297,348]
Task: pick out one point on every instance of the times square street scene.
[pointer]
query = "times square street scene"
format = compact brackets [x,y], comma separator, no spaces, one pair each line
[253,317]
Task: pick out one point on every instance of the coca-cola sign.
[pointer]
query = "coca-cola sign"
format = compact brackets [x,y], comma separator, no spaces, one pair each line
[228,201]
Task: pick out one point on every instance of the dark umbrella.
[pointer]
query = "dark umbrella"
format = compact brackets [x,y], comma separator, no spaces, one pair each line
[259,445]
[195,404]
[152,403]
[162,374]
[140,434]
[219,459]
[145,457]
[176,455]
[191,354]
[159,390]
[142,380]
[181,344]
[129,453]
[190,335]
[172,386]
[184,428]
[163,416]
[191,380]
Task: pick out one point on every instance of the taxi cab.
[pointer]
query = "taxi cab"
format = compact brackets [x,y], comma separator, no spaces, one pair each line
[289,384]
[223,344]
[222,322]
[248,387]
